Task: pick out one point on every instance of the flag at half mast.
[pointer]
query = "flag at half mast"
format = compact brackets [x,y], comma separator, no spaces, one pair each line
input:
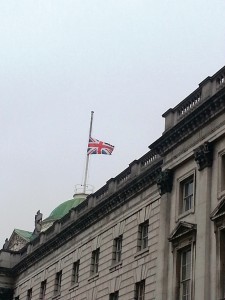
[98,147]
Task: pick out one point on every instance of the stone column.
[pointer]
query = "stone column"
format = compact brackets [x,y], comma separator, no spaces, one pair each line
[164,183]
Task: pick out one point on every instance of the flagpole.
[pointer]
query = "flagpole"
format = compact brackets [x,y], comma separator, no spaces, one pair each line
[87,158]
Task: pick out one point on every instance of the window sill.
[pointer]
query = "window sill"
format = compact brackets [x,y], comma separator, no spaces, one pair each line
[115,266]
[57,296]
[186,213]
[141,253]
[74,286]
[93,277]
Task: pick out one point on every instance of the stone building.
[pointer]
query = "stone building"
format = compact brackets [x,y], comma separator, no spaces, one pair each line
[155,231]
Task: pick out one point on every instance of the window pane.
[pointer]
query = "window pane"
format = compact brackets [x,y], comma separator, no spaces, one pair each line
[143,236]
[186,265]
[140,290]
[75,274]
[29,294]
[186,290]
[187,194]
[95,261]
[185,276]
[58,281]
[114,296]
[43,289]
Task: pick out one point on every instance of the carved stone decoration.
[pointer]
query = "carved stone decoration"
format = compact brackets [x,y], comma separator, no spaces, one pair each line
[6,244]
[204,156]
[165,182]
[38,222]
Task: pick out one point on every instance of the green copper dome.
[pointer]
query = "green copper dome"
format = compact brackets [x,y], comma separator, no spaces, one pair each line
[61,210]
[64,208]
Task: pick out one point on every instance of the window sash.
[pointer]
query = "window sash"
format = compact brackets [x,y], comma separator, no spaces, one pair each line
[140,290]
[43,290]
[143,235]
[29,294]
[118,249]
[75,275]
[187,194]
[185,274]
[114,296]
[95,261]
[58,282]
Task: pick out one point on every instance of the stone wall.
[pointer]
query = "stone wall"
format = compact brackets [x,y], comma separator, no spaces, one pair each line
[135,266]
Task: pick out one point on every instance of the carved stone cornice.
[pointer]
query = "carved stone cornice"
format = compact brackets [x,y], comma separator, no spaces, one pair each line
[103,208]
[209,109]
[165,182]
[204,155]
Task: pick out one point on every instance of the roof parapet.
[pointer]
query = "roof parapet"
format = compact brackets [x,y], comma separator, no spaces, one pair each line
[207,88]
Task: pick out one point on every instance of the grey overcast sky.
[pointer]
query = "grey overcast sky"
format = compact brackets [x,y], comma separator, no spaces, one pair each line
[128,60]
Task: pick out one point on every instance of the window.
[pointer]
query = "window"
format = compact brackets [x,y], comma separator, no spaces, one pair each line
[140,290]
[222,263]
[114,296]
[220,80]
[43,290]
[117,249]
[75,273]
[58,282]
[143,236]
[183,239]
[95,261]
[185,274]
[217,216]
[187,192]
[29,294]
[222,177]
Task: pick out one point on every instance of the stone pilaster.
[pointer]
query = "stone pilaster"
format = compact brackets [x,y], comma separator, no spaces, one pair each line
[203,276]
[164,183]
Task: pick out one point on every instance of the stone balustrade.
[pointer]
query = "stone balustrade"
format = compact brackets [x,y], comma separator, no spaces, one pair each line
[207,88]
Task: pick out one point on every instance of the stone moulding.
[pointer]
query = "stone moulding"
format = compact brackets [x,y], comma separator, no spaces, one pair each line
[107,205]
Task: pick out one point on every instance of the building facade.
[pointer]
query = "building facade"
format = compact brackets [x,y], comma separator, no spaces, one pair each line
[155,231]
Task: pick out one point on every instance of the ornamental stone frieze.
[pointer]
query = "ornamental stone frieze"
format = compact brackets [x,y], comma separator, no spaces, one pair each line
[165,182]
[204,156]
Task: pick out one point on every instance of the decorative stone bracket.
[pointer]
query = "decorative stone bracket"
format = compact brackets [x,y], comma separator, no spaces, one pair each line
[204,155]
[165,182]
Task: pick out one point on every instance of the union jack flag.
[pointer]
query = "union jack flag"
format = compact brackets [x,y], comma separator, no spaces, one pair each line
[97,147]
